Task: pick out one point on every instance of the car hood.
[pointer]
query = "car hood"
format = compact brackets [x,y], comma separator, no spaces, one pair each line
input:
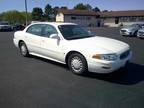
[129,28]
[142,30]
[100,44]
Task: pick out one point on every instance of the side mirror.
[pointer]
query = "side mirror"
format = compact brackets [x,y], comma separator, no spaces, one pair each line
[55,36]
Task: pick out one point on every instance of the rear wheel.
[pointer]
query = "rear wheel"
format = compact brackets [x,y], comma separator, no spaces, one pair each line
[77,63]
[23,49]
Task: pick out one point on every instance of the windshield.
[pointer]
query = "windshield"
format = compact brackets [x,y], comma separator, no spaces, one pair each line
[70,32]
[134,25]
[3,23]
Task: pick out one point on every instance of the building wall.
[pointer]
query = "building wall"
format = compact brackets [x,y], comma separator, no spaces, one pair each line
[91,21]
[111,22]
[94,21]
[59,17]
[82,20]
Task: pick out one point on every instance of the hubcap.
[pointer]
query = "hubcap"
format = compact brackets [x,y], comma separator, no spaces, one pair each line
[76,64]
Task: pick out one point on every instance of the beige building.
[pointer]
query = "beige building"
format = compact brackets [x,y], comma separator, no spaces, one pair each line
[96,19]
[81,17]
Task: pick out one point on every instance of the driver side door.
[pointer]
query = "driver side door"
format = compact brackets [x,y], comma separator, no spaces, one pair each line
[51,47]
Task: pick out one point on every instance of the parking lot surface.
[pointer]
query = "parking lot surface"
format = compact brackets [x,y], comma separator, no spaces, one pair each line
[39,83]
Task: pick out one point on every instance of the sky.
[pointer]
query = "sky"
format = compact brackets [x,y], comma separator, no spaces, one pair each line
[114,5]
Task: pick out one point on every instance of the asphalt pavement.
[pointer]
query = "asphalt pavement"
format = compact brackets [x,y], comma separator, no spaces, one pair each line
[34,82]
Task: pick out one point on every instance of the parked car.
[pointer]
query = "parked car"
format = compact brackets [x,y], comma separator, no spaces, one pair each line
[4,26]
[17,27]
[70,44]
[140,33]
[130,30]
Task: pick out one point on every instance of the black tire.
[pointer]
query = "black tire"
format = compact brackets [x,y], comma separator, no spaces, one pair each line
[77,64]
[135,33]
[23,49]
[124,35]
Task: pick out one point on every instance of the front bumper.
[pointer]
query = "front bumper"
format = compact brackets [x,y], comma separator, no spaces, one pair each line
[140,35]
[126,33]
[107,66]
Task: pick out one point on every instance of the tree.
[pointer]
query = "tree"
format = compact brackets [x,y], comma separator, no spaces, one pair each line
[80,6]
[64,7]
[13,17]
[89,7]
[48,12]
[96,9]
[37,14]
[1,16]
[55,9]
[105,11]
[29,16]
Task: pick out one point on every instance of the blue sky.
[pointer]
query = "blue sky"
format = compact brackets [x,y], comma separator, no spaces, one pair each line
[6,5]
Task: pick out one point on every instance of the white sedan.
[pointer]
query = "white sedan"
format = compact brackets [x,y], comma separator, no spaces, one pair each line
[70,44]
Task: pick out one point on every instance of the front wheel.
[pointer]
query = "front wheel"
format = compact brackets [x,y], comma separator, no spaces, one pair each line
[23,49]
[77,63]
[135,33]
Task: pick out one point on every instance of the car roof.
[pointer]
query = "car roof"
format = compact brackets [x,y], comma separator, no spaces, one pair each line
[55,23]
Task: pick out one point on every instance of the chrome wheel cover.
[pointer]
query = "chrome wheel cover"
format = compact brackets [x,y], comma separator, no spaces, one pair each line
[76,64]
[23,50]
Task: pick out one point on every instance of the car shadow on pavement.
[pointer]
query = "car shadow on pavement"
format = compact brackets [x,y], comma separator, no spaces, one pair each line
[133,75]
[49,61]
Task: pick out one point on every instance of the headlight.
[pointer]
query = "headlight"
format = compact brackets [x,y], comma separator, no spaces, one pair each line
[129,31]
[108,57]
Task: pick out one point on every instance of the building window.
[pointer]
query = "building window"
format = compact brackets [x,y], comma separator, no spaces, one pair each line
[97,17]
[124,19]
[132,19]
[73,18]
[140,18]
[88,18]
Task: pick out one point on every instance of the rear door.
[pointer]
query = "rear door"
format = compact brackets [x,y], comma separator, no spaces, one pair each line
[33,38]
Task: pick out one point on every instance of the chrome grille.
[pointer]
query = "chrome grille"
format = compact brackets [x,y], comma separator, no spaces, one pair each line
[123,31]
[140,33]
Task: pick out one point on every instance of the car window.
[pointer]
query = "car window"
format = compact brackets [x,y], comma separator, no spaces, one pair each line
[74,32]
[47,30]
[35,29]
[4,23]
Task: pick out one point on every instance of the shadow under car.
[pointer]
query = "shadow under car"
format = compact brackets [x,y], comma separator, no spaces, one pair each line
[133,74]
